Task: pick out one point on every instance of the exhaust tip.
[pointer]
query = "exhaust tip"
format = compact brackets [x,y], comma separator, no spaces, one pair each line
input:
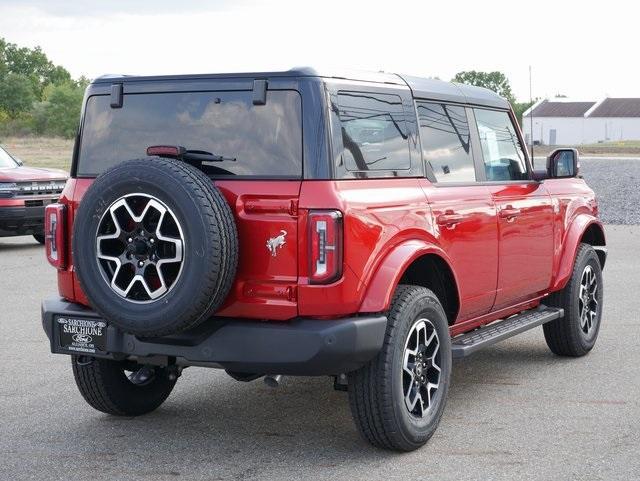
[273,381]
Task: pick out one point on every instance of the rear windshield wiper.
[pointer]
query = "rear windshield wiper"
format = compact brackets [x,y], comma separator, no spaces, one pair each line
[188,155]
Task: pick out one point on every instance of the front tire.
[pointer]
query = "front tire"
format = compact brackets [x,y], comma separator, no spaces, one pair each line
[106,385]
[398,398]
[575,334]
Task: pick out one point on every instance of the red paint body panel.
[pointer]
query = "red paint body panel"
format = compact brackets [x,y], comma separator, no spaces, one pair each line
[26,174]
[379,215]
[576,209]
[391,269]
[465,219]
[525,229]
[501,265]
[265,286]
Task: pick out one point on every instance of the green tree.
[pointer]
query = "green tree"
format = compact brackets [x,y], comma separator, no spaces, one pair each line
[16,94]
[35,94]
[496,81]
[3,64]
[58,114]
[34,65]
[519,108]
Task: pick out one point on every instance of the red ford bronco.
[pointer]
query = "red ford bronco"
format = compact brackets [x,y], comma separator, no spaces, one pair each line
[24,193]
[368,227]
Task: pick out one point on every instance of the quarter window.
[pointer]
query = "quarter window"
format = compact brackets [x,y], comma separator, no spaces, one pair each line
[374,134]
[446,142]
[503,155]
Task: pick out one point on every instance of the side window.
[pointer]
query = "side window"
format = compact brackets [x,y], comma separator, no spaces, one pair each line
[374,134]
[446,142]
[503,155]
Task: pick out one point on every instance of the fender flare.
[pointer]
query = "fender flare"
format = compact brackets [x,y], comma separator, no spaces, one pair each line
[570,244]
[384,282]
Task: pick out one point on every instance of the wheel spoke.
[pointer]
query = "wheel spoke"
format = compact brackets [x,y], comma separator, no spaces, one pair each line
[412,389]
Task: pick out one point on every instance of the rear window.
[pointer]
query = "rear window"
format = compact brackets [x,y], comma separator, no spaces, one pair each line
[446,142]
[374,134]
[265,140]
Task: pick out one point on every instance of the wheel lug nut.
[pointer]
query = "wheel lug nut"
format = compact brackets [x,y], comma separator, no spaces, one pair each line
[140,264]
[129,239]
[152,240]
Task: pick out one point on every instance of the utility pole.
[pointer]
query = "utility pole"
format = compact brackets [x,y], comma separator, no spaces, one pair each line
[531,114]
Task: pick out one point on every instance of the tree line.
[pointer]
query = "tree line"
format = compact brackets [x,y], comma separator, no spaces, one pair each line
[496,81]
[36,96]
[40,98]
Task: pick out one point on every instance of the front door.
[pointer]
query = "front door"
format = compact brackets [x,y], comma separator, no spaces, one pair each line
[525,220]
[525,211]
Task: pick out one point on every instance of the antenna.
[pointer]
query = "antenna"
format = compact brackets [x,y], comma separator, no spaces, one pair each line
[531,116]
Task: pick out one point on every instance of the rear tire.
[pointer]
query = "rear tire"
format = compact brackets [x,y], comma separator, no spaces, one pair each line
[105,386]
[382,393]
[39,238]
[575,334]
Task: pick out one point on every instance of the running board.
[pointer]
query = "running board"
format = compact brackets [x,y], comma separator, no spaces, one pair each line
[466,344]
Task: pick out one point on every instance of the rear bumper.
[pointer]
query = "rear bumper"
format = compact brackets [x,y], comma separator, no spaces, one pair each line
[21,220]
[307,347]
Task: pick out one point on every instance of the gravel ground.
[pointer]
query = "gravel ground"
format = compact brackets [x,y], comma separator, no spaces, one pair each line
[616,182]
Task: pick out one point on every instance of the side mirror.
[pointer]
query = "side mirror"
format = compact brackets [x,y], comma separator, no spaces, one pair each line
[563,163]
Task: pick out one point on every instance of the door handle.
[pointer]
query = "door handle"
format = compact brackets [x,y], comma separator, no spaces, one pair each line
[449,219]
[509,213]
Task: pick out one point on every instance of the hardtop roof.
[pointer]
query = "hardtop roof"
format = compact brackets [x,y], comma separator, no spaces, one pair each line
[424,88]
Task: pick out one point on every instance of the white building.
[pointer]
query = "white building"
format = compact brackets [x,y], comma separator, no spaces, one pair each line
[567,122]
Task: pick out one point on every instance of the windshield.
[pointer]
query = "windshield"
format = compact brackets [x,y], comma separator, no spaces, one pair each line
[6,161]
[265,140]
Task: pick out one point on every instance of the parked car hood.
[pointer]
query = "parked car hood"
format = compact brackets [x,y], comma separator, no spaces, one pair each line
[25,174]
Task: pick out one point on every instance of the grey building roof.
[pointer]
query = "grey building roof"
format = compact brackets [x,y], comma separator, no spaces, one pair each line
[617,107]
[561,109]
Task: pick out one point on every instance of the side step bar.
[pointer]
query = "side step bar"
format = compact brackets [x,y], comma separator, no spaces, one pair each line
[466,344]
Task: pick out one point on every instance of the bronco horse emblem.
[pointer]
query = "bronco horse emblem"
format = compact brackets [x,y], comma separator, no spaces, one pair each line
[276,242]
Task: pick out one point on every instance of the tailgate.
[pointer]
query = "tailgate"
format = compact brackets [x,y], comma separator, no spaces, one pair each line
[266,217]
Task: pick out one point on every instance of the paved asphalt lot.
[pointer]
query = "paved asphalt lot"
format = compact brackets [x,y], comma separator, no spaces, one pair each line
[515,411]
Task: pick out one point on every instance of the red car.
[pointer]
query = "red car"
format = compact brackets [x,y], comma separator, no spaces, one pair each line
[370,228]
[24,193]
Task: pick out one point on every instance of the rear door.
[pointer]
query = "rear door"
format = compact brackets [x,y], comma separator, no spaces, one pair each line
[463,210]
[524,207]
[259,173]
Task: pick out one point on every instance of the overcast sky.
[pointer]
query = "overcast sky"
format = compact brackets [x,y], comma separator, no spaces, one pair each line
[581,49]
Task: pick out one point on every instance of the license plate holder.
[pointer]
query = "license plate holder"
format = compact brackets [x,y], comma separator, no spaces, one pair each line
[82,335]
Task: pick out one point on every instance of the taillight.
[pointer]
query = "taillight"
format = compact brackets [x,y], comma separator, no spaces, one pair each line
[54,216]
[325,246]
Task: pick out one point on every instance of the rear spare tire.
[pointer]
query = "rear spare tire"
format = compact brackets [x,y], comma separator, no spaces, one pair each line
[155,246]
